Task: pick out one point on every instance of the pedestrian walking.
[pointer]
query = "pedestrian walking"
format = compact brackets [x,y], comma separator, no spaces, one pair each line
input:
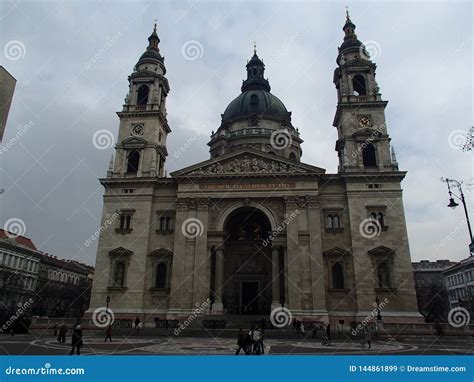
[108,333]
[62,332]
[367,337]
[56,327]
[241,342]
[257,340]
[328,333]
[137,325]
[302,329]
[76,340]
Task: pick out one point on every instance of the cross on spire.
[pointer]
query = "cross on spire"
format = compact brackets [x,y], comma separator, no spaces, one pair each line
[254,48]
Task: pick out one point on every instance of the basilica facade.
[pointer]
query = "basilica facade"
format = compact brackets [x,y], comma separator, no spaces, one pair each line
[254,228]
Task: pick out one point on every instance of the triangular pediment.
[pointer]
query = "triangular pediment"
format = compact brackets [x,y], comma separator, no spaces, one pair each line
[133,142]
[247,162]
[368,132]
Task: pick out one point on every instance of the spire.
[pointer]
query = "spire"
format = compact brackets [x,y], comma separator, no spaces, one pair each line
[349,26]
[153,40]
[255,70]
[152,51]
[350,37]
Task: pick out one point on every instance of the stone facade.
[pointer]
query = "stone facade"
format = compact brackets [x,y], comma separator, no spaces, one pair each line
[253,228]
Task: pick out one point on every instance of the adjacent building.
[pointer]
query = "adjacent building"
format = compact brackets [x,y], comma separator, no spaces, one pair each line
[460,285]
[7,87]
[254,228]
[430,286]
[42,284]
[19,266]
[63,287]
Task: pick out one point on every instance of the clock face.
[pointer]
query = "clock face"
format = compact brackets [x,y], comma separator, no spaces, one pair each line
[137,130]
[365,121]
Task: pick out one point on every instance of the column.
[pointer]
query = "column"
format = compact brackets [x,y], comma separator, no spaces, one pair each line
[177,274]
[293,259]
[218,307]
[318,289]
[201,258]
[275,279]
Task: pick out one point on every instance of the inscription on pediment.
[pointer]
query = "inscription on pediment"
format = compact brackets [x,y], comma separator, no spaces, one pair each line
[248,165]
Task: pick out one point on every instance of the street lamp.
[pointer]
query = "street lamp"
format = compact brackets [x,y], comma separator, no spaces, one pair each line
[107,300]
[452,204]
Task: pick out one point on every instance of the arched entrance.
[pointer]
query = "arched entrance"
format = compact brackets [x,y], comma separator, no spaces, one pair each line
[247,263]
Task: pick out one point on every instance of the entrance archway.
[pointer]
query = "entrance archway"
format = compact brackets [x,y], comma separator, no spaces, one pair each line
[247,266]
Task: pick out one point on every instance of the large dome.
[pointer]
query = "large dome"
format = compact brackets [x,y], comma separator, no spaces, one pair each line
[259,102]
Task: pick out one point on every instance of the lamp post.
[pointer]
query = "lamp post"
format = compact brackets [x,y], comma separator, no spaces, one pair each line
[107,300]
[452,204]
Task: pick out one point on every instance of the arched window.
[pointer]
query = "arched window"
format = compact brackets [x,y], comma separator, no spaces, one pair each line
[133,161]
[292,156]
[142,99]
[381,219]
[161,275]
[329,221]
[337,276]
[163,224]
[358,84]
[368,156]
[169,224]
[336,222]
[119,274]
[383,275]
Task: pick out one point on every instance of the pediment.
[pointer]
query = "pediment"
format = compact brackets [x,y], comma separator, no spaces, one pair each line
[134,142]
[372,133]
[381,251]
[120,251]
[336,251]
[248,162]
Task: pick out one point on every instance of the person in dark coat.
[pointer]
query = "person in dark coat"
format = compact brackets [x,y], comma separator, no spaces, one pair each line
[56,327]
[137,325]
[241,342]
[108,333]
[62,333]
[328,333]
[76,340]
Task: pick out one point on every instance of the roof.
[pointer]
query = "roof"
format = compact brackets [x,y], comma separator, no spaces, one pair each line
[259,102]
[20,240]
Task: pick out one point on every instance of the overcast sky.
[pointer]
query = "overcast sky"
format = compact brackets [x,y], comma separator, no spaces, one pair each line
[72,58]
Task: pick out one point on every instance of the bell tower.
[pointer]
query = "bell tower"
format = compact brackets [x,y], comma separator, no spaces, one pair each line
[141,146]
[363,143]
